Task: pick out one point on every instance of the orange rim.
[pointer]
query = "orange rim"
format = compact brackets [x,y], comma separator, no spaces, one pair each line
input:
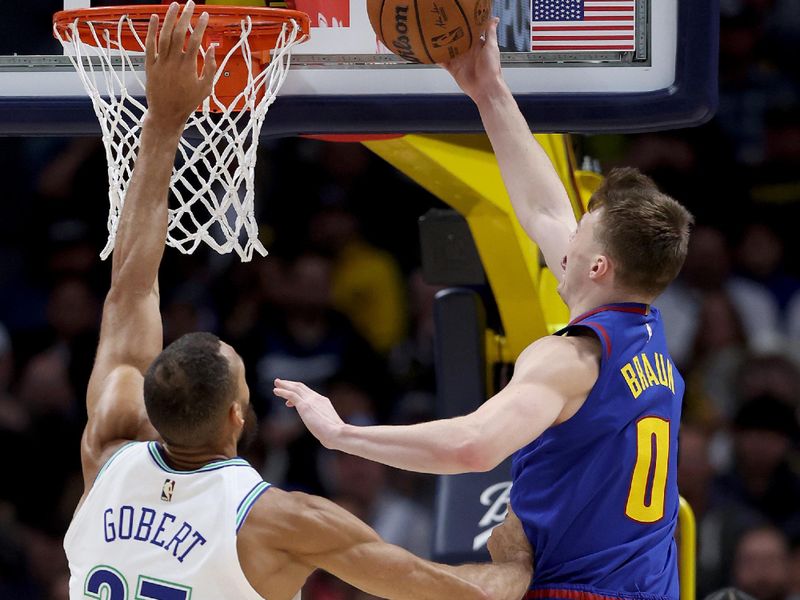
[224,24]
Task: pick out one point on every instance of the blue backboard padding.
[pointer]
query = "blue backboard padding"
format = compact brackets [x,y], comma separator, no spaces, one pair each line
[460,513]
[690,101]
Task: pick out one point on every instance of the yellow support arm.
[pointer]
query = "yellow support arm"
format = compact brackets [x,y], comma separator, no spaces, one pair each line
[687,550]
[462,171]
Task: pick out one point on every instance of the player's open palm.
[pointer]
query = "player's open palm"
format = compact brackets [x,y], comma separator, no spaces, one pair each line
[476,70]
[314,409]
[174,88]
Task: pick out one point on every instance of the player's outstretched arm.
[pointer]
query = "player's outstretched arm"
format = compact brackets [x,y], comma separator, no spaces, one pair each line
[131,330]
[552,377]
[537,194]
[320,534]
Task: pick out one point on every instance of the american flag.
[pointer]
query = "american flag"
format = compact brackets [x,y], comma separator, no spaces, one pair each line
[575,25]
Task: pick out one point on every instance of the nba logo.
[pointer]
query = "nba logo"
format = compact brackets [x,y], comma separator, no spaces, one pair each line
[166,491]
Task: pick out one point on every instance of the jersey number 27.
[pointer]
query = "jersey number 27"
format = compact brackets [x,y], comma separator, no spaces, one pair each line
[109,584]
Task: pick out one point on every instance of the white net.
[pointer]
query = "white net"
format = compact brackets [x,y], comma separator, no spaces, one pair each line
[213,180]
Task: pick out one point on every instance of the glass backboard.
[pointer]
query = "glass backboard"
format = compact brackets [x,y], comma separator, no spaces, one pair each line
[574,65]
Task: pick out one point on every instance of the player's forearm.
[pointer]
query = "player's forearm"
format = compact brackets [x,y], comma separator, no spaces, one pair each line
[442,447]
[532,183]
[501,581]
[142,228]
[388,571]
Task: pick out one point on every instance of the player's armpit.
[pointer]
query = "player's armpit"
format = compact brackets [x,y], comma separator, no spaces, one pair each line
[323,535]
[509,576]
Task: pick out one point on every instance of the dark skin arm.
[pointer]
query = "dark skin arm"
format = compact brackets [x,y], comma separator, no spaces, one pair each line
[131,331]
[288,535]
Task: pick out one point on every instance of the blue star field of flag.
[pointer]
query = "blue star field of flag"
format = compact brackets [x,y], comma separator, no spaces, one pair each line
[557,10]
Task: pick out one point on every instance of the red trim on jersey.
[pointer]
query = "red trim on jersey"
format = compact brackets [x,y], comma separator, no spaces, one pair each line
[541,594]
[604,335]
[639,309]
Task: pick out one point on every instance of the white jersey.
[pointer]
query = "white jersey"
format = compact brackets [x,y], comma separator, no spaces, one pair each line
[149,532]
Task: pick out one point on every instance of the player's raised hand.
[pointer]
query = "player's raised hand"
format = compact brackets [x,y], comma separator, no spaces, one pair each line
[478,71]
[315,410]
[174,88]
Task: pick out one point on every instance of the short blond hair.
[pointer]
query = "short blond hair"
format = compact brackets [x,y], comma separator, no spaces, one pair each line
[644,231]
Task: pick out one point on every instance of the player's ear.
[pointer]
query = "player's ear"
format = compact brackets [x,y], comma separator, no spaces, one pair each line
[601,267]
[236,414]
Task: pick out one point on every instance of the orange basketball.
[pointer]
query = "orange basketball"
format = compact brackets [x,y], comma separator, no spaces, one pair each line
[429,31]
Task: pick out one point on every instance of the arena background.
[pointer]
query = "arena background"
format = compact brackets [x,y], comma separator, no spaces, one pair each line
[733,317]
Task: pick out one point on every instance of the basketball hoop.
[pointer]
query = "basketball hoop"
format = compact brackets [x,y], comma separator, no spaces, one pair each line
[213,180]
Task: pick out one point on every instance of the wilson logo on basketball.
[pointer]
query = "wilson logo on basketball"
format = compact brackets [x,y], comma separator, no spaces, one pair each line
[401,44]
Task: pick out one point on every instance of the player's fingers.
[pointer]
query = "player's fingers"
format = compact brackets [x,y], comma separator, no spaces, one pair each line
[150,41]
[290,385]
[193,47]
[289,395]
[491,32]
[209,68]
[181,28]
[165,37]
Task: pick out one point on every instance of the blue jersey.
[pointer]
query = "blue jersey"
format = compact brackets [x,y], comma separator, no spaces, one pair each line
[598,494]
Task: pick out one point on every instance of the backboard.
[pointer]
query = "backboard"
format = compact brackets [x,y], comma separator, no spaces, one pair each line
[574,65]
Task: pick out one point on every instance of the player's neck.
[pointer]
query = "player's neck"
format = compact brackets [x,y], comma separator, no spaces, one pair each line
[184,458]
[602,298]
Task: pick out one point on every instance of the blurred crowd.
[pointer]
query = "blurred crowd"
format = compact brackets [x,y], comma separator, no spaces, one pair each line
[341,305]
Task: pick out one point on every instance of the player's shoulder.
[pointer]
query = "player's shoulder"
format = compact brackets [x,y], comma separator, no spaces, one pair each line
[564,362]
[293,522]
[277,513]
[553,350]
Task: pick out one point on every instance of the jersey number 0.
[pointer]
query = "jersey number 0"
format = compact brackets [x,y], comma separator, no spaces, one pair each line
[652,460]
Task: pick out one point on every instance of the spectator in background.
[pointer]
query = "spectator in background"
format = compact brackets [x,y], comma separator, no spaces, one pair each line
[708,269]
[13,416]
[761,564]
[307,337]
[763,478]
[361,486]
[366,282]
[769,375]
[51,381]
[411,360]
[719,523]
[718,349]
[760,257]
[794,571]
[188,309]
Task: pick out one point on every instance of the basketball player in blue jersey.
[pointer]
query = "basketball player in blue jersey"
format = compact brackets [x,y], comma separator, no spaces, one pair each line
[169,512]
[591,414]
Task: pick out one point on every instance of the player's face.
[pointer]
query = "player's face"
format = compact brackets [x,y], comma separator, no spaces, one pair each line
[582,253]
[247,434]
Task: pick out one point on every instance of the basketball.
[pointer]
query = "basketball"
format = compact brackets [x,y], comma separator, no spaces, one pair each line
[428,31]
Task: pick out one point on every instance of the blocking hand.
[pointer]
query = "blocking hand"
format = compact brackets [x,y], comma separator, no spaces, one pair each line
[477,71]
[174,89]
[315,410]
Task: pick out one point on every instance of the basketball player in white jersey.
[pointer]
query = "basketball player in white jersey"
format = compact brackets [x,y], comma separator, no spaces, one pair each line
[169,512]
